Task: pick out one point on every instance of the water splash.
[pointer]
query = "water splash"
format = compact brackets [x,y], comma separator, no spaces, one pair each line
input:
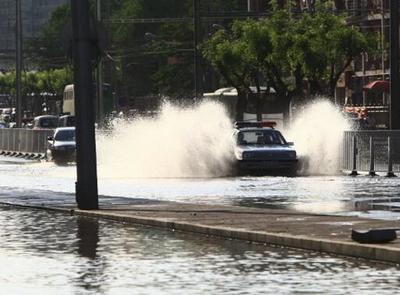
[317,131]
[180,142]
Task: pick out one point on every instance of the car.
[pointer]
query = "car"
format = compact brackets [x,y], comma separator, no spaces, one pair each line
[261,149]
[66,121]
[45,122]
[62,146]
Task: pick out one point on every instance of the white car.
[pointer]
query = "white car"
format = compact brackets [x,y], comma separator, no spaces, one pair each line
[262,149]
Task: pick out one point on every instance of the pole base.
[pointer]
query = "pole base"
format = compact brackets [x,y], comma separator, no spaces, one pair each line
[353,173]
[391,174]
[372,173]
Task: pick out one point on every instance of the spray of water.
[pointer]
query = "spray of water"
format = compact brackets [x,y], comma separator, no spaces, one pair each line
[317,131]
[180,142]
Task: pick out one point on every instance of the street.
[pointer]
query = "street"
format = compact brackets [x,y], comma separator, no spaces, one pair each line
[339,194]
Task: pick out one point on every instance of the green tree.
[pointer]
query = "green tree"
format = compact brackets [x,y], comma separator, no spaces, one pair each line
[7,87]
[283,51]
[50,49]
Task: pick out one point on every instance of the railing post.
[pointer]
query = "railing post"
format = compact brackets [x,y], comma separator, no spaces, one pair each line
[354,170]
[38,142]
[371,157]
[31,136]
[390,160]
[8,139]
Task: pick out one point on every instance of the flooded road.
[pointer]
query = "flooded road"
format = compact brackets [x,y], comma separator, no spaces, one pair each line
[377,197]
[53,253]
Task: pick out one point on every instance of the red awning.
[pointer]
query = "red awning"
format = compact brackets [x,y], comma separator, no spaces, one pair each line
[380,85]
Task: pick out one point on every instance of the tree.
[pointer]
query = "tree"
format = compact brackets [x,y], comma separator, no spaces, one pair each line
[49,49]
[7,87]
[283,51]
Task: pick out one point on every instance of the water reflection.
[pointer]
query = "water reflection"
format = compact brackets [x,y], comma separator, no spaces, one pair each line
[90,271]
[87,236]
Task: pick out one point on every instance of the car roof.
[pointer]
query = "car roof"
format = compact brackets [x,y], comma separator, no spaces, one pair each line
[64,128]
[256,128]
[46,116]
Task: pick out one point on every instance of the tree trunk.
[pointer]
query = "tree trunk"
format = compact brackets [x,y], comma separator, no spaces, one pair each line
[284,102]
[258,106]
[241,106]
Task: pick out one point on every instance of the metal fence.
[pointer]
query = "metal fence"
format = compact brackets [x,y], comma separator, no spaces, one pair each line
[24,140]
[371,151]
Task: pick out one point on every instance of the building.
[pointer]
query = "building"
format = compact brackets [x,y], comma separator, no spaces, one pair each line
[34,14]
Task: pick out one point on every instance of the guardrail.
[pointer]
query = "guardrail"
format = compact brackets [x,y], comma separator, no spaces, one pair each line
[24,140]
[371,151]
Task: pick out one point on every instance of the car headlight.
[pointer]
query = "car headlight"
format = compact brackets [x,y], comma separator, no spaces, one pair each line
[292,155]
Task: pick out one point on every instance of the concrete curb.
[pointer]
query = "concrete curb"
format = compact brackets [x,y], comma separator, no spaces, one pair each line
[23,155]
[383,253]
[372,251]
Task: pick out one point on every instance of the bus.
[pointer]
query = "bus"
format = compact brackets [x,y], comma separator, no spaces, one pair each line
[68,106]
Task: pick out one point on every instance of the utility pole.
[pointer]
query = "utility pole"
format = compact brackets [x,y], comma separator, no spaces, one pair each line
[86,185]
[394,66]
[195,49]
[100,97]
[18,67]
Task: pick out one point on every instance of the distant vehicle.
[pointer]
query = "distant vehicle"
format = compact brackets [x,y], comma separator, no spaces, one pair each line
[68,106]
[260,149]
[62,146]
[45,122]
[66,121]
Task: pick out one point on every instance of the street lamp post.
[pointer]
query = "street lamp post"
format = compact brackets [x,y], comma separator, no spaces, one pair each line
[18,68]
[394,66]
[100,97]
[195,45]
[86,185]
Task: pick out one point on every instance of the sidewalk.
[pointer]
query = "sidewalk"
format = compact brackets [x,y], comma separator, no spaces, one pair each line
[323,233]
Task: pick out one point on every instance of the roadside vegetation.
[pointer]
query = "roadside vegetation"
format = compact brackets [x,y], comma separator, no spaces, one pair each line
[38,87]
[148,50]
[296,54]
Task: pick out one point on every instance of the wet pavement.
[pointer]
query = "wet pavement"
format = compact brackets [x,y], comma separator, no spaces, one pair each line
[372,197]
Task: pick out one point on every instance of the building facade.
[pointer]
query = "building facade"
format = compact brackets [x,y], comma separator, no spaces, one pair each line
[34,14]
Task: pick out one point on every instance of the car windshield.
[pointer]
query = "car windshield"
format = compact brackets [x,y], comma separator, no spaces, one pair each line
[65,135]
[260,137]
[48,122]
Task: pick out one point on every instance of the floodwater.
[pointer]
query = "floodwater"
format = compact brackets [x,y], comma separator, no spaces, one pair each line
[53,253]
[375,197]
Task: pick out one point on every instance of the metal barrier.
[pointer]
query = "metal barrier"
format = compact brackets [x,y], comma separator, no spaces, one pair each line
[24,140]
[371,151]
[29,141]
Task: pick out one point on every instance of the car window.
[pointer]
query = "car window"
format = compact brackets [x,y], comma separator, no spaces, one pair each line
[48,122]
[65,135]
[260,137]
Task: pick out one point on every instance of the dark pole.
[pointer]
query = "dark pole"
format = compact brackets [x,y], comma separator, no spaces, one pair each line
[100,98]
[394,66]
[18,68]
[195,45]
[86,185]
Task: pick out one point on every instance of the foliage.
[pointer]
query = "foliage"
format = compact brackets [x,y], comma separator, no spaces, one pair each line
[37,85]
[49,49]
[285,50]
